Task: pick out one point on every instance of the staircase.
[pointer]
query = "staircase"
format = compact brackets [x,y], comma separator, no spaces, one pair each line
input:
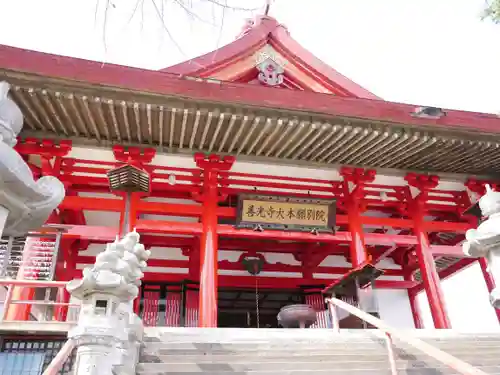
[307,351]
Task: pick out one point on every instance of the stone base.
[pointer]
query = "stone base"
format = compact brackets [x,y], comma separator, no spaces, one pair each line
[495,298]
[94,360]
[3,218]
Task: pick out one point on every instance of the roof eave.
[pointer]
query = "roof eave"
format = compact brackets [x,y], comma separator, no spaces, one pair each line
[19,64]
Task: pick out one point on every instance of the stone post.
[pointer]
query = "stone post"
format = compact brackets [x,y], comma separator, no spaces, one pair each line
[3,218]
[108,334]
[485,240]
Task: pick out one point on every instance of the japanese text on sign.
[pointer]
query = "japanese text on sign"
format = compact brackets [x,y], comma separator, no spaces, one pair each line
[284,213]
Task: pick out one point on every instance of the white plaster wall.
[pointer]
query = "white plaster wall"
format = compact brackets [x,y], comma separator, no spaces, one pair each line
[394,308]
[467,302]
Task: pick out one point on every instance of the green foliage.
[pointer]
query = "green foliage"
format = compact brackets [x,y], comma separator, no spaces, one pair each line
[493,11]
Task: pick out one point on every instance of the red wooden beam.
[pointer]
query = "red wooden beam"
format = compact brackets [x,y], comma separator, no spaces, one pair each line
[248,282]
[387,222]
[230,231]
[446,226]
[370,238]
[92,204]
[447,250]
[389,239]
[166,263]
[434,226]
[240,238]
[236,266]
[89,232]
[162,208]
[168,227]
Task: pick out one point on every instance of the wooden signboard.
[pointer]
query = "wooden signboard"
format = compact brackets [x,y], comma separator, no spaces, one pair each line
[286,213]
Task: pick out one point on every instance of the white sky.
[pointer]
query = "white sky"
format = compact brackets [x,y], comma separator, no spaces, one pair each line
[430,52]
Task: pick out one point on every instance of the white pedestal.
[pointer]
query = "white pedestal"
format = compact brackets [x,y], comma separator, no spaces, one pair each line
[3,218]
[94,360]
[493,258]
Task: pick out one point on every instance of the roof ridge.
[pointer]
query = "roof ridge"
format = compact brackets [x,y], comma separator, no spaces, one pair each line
[266,30]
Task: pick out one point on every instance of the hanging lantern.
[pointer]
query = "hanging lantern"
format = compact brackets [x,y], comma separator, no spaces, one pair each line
[253,264]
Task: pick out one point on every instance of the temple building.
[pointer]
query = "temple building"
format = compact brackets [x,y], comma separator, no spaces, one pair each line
[258,177]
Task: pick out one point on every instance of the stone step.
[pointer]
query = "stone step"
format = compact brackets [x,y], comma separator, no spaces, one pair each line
[482,357]
[236,347]
[309,332]
[300,346]
[284,365]
[327,337]
[491,370]
[299,372]
[316,352]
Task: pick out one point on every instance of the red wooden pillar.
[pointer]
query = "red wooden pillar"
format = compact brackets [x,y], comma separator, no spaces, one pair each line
[127,224]
[138,158]
[211,166]
[415,310]
[357,247]
[488,279]
[355,179]
[430,276]
[65,271]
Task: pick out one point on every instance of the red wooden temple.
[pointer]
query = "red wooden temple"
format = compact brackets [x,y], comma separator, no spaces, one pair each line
[259,117]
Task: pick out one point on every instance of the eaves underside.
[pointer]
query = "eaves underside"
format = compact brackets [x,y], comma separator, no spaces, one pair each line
[100,115]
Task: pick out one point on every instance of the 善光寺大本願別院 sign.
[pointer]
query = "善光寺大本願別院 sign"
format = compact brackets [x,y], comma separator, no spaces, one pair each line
[286,213]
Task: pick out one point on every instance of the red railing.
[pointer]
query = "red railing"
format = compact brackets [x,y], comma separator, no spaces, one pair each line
[62,356]
[46,305]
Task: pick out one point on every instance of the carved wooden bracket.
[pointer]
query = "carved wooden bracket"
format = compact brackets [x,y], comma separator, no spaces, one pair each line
[44,147]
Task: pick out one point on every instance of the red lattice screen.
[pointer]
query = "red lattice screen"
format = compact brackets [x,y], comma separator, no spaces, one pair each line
[150,308]
[173,309]
[318,303]
[192,308]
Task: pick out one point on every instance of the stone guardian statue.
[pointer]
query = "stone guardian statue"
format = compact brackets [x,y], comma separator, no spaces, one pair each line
[485,240]
[25,204]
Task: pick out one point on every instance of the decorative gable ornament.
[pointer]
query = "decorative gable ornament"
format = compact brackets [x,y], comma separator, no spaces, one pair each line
[271,66]
[270,73]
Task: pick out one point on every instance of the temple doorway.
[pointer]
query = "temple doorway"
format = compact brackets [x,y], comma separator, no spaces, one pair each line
[177,305]
[248,308]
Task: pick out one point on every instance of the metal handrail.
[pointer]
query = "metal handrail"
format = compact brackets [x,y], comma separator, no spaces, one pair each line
[390,332]
[62,356]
